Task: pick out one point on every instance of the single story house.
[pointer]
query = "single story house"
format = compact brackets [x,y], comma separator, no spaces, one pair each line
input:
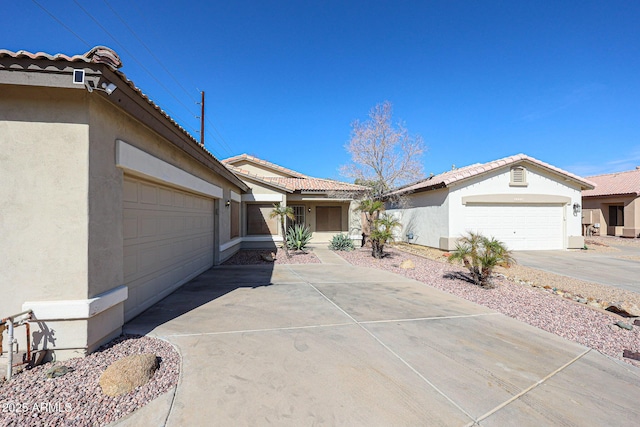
[525,203]
[108,205]
[613,207]
[326,206]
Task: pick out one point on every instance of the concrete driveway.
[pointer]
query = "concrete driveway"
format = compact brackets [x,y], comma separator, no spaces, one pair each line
[331,344]
[620,268]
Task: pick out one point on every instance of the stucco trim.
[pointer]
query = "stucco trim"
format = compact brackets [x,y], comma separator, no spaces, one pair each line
[515,199]
[448,243]
[134,160]
[250,197]
[575,242]
[235,197]
[77,309]
[230,244]
[262,239]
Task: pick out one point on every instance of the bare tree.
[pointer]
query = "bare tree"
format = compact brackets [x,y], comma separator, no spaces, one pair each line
[383,155]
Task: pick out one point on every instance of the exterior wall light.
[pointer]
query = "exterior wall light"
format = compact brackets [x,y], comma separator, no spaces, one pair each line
[309,210]
[227,203]
[576,209]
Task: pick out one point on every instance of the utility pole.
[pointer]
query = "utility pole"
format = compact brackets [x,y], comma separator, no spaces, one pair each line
[202,120]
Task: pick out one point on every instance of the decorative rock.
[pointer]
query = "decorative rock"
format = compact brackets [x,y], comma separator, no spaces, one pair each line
[623,325]
[268,257]
[631,355]
[407,264]
[130,372]
[625,308]
[58,371]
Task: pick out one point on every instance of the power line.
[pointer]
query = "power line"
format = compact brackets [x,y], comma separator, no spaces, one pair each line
[148,50]
[143,18]
[221,139]
[132,56]
[61,23]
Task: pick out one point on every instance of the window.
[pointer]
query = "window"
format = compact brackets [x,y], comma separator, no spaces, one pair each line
[616,216]
[235,219]
[298,213]
[518,177]
[258,221]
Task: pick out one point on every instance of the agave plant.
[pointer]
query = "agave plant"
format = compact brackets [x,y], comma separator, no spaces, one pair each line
[298,236]
[480,255]
[341,242]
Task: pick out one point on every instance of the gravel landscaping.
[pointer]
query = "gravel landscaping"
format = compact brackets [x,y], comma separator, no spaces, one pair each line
[253,257]
[75,399]
[536,306]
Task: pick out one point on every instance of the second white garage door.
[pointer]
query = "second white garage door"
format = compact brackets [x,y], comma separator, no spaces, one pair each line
[520,227]
[168,239]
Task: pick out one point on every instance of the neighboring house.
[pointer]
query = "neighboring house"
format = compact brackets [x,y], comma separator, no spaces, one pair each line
[323,205]
[525,203]
[613,207]
[108,205]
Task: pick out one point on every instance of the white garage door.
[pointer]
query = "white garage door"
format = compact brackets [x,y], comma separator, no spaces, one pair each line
[520,227]
[168,240]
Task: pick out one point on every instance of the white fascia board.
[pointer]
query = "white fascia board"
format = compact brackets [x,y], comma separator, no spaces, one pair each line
[235,197]
[250,197]
[139,162]
[77,309]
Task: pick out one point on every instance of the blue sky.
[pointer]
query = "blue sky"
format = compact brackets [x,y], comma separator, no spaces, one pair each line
[479,80]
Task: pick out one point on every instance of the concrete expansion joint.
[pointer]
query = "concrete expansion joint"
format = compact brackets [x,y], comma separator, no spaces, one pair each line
[396,355]
[415,319]
[533,386]
[242,331]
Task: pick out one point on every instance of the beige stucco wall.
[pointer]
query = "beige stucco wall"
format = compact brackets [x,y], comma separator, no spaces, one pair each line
[61,214]
[259,170]
[601,205]
[44,213]
[108,124]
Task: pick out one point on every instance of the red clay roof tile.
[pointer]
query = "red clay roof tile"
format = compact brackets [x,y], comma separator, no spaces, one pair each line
[447,178]
[615,184]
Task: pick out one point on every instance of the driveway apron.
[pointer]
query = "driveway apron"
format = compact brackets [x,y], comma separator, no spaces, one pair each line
[332,344]
[619,268]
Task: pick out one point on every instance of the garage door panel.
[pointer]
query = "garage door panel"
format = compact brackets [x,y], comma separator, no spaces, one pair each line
[520,227]
[168,239]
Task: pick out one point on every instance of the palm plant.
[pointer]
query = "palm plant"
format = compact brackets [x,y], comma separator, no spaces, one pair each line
[382,233]
[282,212]
[480,255]
[371,209]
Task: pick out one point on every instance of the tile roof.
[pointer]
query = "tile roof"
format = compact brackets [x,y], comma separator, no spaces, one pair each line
[257,161]
[613,184]
[305,184]
[447,178]
[108,57]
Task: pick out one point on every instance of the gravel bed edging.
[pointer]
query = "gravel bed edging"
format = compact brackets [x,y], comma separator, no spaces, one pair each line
[575,322]
[76,399]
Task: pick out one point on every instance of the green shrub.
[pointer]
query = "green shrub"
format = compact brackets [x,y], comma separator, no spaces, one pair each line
[341,242]
[480,255]
[298,236]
